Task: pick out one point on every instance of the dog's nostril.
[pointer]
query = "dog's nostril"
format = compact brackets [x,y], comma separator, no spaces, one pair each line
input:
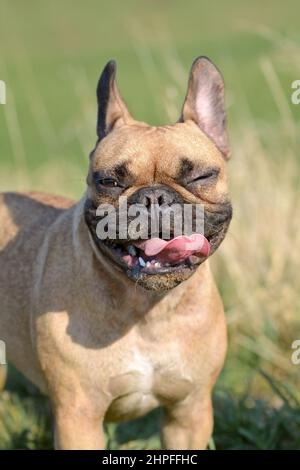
[160,200]
[147,201]
[154,196]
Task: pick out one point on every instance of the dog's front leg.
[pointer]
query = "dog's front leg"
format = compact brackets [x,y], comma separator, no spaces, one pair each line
[188,425]
[78,428]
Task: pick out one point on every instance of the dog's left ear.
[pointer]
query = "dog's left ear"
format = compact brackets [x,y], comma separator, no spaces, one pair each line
[204,102]
[112,110]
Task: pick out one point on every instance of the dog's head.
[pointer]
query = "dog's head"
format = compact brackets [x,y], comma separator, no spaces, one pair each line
[139,173]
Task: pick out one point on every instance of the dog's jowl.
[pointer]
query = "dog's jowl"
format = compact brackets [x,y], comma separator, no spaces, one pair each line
[113,326]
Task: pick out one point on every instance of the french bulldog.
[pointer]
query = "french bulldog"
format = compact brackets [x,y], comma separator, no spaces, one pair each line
[111,328]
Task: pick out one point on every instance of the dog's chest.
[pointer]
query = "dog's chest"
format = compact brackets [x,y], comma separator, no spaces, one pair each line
[152,378]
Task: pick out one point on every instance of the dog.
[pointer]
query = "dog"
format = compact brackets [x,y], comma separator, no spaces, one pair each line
[107,335]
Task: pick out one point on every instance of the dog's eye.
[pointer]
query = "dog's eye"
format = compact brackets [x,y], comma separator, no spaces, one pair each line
[108,182]
[207,176]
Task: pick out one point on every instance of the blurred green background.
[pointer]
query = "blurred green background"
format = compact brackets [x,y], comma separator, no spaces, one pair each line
[51,56]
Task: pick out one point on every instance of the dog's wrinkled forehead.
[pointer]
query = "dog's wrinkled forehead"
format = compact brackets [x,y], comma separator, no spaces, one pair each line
[149,151]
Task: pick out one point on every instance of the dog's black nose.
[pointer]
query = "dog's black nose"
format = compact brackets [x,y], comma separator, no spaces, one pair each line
[160,196]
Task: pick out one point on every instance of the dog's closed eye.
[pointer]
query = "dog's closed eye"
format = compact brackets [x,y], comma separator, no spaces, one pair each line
[107,183]
[205,177]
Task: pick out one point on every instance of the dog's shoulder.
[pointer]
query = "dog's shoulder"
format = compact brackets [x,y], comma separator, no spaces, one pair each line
[35,198]
[19,211]
[33,203]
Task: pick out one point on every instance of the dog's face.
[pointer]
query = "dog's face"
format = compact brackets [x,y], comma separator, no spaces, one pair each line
[181,164]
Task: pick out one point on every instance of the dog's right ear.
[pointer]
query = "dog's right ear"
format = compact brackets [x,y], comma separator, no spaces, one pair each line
[112,110]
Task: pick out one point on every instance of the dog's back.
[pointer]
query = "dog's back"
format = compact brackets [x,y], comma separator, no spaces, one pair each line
[24,220]
[20,211]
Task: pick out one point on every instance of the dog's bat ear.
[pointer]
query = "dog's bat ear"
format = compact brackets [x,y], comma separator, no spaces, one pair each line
[204,102]
[112,110]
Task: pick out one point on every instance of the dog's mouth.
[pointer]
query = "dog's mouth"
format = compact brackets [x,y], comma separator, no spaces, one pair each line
[159,263]
[158,256]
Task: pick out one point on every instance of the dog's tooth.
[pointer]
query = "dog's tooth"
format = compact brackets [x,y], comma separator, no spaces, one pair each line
[153,261]
[157,264]
[142,262]
[148,264]
[131,250]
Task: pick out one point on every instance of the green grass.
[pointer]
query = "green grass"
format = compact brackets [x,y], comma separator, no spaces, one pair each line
[241,422]
[51,55]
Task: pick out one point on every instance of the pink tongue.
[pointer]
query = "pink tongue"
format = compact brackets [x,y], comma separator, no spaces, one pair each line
[177,249]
